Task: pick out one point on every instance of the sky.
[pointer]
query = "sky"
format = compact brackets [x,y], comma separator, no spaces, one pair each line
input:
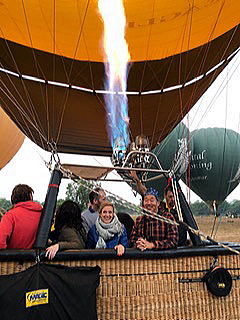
[218,107]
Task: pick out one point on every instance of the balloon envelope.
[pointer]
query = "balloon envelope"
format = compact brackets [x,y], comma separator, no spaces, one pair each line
[215,163]
[52,66]
[11,139]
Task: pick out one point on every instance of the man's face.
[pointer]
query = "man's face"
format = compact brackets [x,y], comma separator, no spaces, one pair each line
[150,203]
[101,199]
[170,199]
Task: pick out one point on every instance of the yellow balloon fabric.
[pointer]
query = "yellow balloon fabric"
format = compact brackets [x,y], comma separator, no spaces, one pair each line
[52,71]
[156,29]
[11,139]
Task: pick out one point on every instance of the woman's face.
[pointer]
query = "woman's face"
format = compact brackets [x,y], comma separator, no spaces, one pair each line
[106,214]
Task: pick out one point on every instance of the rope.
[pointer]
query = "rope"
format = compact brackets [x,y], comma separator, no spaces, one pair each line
[74,177]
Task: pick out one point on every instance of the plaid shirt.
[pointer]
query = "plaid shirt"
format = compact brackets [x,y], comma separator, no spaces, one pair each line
[163,235]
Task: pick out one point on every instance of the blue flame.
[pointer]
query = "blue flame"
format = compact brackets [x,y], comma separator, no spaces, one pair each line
[117,113]
[117,57]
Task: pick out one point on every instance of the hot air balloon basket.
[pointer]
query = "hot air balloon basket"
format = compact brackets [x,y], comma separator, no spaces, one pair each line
[169,288]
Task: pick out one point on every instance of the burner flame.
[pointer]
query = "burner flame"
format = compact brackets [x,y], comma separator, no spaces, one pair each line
[116,69]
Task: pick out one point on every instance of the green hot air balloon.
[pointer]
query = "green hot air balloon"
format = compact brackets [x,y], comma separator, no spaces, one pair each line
[172,153]
[214,165]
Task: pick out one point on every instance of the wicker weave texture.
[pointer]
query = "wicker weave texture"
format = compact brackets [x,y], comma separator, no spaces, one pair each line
[147,289]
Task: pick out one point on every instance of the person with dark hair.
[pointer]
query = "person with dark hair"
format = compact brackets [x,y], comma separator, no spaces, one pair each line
[89,216]
[21,193]
[170,207]
[18,227]
[69,231]
[150,233]
[169,197]
[68,228]
[127,221]
[107,232]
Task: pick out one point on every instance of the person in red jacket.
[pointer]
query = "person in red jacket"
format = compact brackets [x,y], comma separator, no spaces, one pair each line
[18,227]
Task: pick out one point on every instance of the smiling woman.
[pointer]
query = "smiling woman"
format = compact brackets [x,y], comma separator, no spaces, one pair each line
[108,232]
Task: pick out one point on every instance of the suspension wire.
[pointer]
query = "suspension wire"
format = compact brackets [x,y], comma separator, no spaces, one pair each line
[37,66]
[176,197]
[217,93]
[53,35]
[79,37]
[215,217]
[189,160]
[81,181]
[220,216]
[12,83]
[54,47]
[34,116]
[160,98]
[213,226]
[221,174]
[200,67]
[144,68]
[25,117]
[180,62]
[210,105]
[207,49]
[218,225]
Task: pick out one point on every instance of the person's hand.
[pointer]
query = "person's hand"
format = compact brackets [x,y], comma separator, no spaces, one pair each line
[120,249]
[143,244]
[133,174]
[51,251]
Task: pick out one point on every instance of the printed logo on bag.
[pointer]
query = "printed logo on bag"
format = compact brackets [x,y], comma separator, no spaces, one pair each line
[37,297]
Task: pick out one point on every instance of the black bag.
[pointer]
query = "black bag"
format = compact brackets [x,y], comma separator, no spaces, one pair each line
[46,291]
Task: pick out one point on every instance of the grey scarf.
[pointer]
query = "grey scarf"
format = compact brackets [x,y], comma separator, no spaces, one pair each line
[107,231]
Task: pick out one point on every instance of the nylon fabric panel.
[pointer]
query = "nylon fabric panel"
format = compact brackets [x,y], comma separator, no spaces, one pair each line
[11,139]
[71,293]
[75,120]
[215,160]
[156,29]
[143,76]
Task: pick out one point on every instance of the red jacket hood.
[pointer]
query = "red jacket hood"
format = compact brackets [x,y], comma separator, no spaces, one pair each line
[29,205]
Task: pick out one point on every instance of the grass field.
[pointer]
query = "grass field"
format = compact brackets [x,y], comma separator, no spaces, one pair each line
[228,230]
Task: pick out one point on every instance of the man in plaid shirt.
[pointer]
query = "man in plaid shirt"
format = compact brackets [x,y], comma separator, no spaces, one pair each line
[150,233]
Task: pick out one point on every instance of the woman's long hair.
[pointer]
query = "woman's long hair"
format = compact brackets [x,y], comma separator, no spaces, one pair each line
[68,215]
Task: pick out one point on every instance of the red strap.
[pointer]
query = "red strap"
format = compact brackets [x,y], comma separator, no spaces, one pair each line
[169,182]
[53,186]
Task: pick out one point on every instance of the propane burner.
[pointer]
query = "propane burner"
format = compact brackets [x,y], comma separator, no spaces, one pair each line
[137,155]
[119,152]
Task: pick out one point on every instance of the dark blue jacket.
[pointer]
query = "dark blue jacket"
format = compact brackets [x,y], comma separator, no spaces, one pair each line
[93,237]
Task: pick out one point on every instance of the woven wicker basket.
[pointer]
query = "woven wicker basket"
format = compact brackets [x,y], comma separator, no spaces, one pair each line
[151,288]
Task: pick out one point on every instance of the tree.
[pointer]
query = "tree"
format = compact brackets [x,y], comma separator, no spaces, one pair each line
[199,208]
[122,206]
[234,207]
[59,202]
[78,191]
[5,204]
[224,207]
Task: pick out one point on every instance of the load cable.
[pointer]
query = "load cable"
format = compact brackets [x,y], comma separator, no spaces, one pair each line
[67,173]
